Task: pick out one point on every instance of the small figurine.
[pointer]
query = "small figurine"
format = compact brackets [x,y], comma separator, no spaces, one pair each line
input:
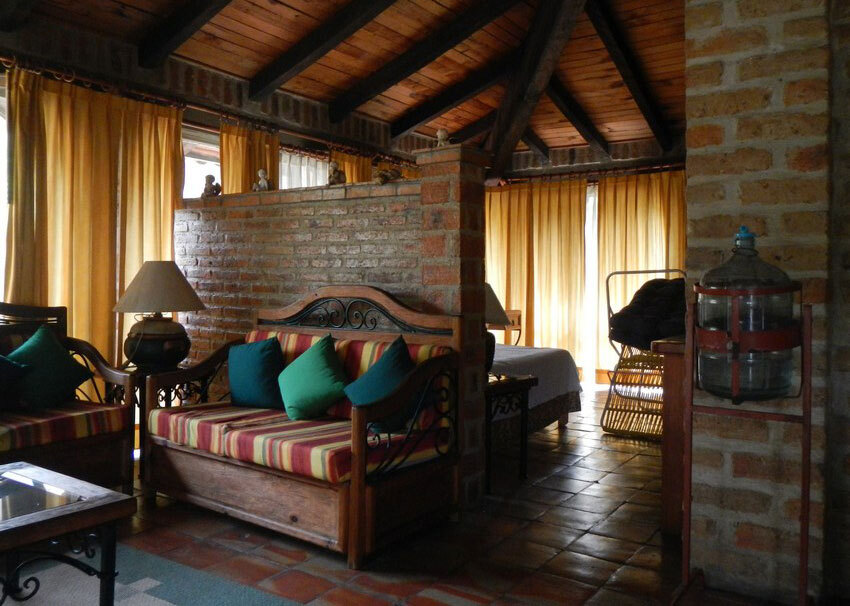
[211,188]
[336,176]
[442,137]
[263,183]
[392,174]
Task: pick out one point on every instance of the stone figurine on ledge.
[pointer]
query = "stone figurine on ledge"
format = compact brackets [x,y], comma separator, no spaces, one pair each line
[336,176]
[263,183]
[383,176]
[442,137]
[211,188]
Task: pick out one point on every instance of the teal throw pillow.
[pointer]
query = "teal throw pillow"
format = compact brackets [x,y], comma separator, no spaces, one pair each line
[252,370]
[11,374]
[312,381]
[382,378]
[54,374]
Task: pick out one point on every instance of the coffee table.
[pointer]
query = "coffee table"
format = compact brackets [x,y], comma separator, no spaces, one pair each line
[38,505]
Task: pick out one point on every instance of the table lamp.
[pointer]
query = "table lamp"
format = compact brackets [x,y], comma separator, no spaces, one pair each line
[157,343]
[494,313]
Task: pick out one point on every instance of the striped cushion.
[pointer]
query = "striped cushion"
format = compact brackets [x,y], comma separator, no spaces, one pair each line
[24,428]
[318,449]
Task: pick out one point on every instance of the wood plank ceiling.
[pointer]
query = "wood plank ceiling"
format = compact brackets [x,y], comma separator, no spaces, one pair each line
[244,37]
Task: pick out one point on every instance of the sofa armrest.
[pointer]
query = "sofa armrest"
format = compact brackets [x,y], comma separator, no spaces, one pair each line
[187,383]
[120,384]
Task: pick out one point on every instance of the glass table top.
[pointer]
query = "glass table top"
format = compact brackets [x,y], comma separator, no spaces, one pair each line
[21,495]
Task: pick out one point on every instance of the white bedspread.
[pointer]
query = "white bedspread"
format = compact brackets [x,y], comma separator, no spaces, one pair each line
[554,368]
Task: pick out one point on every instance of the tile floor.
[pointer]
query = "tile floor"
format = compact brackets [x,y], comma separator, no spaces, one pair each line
[584,528]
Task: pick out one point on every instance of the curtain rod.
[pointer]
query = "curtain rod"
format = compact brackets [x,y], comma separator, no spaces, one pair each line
[594,175]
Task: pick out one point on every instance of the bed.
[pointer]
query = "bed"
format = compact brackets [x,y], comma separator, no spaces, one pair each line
[557,392]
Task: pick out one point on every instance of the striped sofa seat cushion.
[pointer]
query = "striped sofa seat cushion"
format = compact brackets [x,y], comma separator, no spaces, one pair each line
[318,449]
[356,356]
[25,428]
[203,426]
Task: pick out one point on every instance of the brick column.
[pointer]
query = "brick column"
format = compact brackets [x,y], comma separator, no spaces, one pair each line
[452,199]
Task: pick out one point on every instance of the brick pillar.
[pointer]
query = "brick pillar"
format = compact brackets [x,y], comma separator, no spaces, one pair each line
[452,198]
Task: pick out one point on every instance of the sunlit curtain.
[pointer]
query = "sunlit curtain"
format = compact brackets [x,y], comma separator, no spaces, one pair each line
[535,257]
[244,151]
[407,172]
[298,170]
[358,169]
[641,226]
[151,188]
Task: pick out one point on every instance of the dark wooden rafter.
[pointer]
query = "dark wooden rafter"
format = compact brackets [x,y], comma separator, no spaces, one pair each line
[175,29]
[421,54]
[573,112]
[453,96]
[536,144]
[614,40]
[473,129]
[314,45]
[551,28]
[14,13]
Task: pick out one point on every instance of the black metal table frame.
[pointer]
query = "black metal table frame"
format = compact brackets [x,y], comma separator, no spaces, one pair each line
[78,543]
[506,403]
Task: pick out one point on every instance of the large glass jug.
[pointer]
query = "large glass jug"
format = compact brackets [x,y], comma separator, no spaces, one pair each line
[750,359]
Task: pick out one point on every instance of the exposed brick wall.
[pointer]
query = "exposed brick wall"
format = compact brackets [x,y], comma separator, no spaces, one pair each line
[758,128]
[837,554]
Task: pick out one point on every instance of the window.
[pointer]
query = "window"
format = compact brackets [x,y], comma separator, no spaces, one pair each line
[200,158]
[298,170]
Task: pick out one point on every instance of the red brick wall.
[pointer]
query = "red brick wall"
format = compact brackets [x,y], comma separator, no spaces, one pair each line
[758,128]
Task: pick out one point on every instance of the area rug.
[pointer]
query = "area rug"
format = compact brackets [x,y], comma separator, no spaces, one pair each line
[143,580]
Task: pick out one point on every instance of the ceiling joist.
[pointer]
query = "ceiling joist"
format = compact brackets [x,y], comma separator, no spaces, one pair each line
[314,45]
[174,30]
[536,144]
[573,112]
[14,13]
[409,62]
[551,28]
[452,96]
[610,34]
[473,129]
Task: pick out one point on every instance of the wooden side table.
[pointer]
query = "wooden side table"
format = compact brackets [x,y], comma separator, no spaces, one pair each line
[505,395]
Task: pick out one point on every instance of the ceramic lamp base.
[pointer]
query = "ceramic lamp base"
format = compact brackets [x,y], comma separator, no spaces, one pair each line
[156,344]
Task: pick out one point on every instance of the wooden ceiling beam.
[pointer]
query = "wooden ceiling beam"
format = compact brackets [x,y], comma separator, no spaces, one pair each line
[630,71]
[14,13]
[454,95]
[576,115]
[473,129]
[175,29]
[421,54]
[536,144]
[551,28]
[314,45]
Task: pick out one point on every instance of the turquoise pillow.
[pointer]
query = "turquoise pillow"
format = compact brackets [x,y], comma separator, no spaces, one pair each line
[382,378]
[312,381]
[54,374]
[10,378]
[252,370]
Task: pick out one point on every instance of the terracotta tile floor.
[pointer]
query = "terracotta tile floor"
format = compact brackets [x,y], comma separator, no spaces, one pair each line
[583,528]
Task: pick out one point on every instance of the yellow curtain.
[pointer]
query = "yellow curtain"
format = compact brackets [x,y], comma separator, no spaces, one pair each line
[65,241]
[641,225]
[358,169]
[535,258]
[244,151]
[407,172]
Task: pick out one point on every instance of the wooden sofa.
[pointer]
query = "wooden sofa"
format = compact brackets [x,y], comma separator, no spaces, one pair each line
[90,438]
[391,489]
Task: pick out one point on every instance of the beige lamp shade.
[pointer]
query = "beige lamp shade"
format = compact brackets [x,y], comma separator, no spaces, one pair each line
[159,286]
[494,313]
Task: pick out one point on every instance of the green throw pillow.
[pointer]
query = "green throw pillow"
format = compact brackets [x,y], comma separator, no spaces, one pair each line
[54,374]
[312,381]
[382,378]
[252,370]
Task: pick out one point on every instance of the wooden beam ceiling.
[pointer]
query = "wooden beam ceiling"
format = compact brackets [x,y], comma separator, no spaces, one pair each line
[453,96]
[473,129]
[14,13]
[573,112]
[608,30]
[315,45]
[175,29]
[552,26]
[417,57]
[536,144]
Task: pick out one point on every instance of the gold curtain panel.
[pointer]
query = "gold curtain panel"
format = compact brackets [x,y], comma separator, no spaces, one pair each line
[358,169]
[244,151]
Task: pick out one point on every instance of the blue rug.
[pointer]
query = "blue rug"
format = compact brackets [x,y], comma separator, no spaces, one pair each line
[144,580]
